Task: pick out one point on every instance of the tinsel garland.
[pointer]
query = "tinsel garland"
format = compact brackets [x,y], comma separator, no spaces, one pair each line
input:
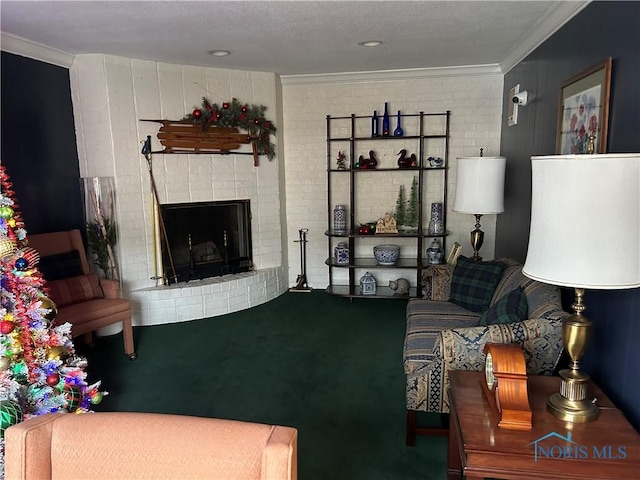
[238,115]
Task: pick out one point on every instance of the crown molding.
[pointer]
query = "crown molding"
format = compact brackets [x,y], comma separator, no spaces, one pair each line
[37,51]
[549,24]
[389,75]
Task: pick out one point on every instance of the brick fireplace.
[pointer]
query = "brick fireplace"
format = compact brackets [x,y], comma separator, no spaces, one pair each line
[110,97]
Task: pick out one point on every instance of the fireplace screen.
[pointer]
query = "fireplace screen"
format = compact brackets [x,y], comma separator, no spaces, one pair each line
[206,239]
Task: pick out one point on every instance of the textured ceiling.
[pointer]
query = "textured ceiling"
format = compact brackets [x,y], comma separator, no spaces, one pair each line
[289,38]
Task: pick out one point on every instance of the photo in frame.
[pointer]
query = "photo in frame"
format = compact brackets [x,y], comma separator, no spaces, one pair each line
[583,111]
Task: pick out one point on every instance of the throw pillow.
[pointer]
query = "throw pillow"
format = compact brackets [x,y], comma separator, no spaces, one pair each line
[60,265]
[75,290]
[511,308]
[474,282]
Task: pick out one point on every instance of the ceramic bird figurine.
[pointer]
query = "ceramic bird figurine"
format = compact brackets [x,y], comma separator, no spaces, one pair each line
[407,162]
[368,163]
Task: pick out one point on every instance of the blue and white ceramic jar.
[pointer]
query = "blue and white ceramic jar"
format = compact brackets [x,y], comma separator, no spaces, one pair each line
[367,284]
[436,224]
[339,219]
[435,254]
[341,253]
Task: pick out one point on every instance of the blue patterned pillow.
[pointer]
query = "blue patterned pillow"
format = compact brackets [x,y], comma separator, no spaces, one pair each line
[474,282]
[511,308]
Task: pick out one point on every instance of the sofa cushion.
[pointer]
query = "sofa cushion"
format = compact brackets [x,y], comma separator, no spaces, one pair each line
[60,265]
[75,289]
[474,282]
[512,307]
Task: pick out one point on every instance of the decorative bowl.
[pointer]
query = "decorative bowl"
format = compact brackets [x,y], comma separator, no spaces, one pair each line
[386,254]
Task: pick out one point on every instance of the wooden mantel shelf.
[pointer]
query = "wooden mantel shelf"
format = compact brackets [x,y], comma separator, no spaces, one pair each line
[185,137]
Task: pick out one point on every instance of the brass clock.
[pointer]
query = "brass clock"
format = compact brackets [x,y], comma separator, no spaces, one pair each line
[505,385]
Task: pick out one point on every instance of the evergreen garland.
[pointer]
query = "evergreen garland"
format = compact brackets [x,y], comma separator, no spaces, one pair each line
[241,115]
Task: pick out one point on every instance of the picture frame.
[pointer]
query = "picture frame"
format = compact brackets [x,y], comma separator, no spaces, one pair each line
[452,258]
[583,111]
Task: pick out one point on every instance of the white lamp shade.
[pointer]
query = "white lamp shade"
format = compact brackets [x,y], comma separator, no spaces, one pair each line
[585,221]
[480,185]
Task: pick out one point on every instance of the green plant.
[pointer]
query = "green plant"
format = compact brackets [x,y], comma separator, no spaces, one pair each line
[401,207]
[102,239]
[411,218]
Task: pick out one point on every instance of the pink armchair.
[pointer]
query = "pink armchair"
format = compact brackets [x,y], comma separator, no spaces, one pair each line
[136,446]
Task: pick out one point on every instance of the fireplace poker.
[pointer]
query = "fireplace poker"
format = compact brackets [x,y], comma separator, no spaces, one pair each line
[146,151]
[301,281]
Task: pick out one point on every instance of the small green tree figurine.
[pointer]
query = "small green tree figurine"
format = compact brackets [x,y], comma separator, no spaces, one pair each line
[401,207]
[411,218]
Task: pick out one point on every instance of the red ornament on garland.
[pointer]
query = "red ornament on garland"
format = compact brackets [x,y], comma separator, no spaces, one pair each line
[266,124]
[6,327]
[244,108]
[256,121]
[197,113]
[53,379]
[225,105]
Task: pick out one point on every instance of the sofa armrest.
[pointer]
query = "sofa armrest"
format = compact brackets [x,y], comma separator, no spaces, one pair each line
[110,288]
[541,339]
[461,348]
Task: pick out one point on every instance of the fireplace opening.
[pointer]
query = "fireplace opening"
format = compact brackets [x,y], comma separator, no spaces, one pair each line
[206,239]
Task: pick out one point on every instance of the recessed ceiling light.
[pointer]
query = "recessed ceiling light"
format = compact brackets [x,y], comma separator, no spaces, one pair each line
[370,43]
[219,53]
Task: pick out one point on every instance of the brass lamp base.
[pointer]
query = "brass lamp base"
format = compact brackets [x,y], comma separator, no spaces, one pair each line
[477,239]
[571,403]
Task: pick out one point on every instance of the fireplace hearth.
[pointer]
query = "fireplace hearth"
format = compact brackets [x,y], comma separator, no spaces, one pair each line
[206,239]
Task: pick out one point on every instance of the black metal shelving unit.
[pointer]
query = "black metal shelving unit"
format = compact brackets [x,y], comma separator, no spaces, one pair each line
[414,264]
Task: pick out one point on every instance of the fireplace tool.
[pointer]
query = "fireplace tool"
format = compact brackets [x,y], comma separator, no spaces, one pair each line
[301,281]
[146,151]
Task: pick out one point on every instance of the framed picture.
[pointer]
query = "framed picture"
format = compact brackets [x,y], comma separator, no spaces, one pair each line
[583,113]
[452,258]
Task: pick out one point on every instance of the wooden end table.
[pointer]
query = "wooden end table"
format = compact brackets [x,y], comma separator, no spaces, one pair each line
[606,449]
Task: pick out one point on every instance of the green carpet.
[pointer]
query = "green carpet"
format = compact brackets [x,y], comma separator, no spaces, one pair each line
[329,367]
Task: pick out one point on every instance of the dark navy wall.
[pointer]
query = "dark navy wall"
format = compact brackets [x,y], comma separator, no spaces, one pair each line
[39,144]
[601,30]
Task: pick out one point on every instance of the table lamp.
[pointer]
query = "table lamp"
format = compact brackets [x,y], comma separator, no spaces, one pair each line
[585,234]
[479,191]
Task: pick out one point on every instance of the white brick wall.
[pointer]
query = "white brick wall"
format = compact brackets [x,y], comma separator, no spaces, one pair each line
[111,95]
[475,103]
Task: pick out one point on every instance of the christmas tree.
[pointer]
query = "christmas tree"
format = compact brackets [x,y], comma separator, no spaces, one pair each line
[39,369]
[401,208]
[412,212]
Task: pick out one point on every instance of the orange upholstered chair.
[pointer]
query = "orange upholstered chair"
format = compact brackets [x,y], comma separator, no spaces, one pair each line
[82,300]
[135,446]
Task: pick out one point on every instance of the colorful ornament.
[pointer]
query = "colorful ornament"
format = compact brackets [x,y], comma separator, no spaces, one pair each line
[7,327]
[225,105]
[21,264]
[10,414]
[73,395]
[53,379]
[197,113]
[57,353]
[7,248]
[6,212]
[95,397]
[49,305]
[31,255]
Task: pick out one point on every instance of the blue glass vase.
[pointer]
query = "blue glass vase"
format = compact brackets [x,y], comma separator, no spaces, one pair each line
[398,132]
[385,120]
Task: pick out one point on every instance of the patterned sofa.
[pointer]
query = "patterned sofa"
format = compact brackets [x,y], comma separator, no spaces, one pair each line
[442,336]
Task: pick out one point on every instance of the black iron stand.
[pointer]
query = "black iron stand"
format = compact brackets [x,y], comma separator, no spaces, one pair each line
[301,281]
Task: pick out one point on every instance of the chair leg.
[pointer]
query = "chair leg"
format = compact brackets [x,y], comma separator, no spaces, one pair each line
[411,427]
[127,335]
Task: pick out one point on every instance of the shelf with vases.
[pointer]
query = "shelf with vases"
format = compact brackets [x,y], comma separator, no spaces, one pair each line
[372,263]
[427,138]
[381,292]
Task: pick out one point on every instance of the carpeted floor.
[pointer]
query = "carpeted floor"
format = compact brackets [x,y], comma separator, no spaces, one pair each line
[329,367]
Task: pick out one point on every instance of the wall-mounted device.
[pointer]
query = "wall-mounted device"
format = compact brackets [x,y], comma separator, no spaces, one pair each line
[520,98]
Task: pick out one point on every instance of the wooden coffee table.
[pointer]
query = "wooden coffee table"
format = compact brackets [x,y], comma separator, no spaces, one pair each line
[608,448]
